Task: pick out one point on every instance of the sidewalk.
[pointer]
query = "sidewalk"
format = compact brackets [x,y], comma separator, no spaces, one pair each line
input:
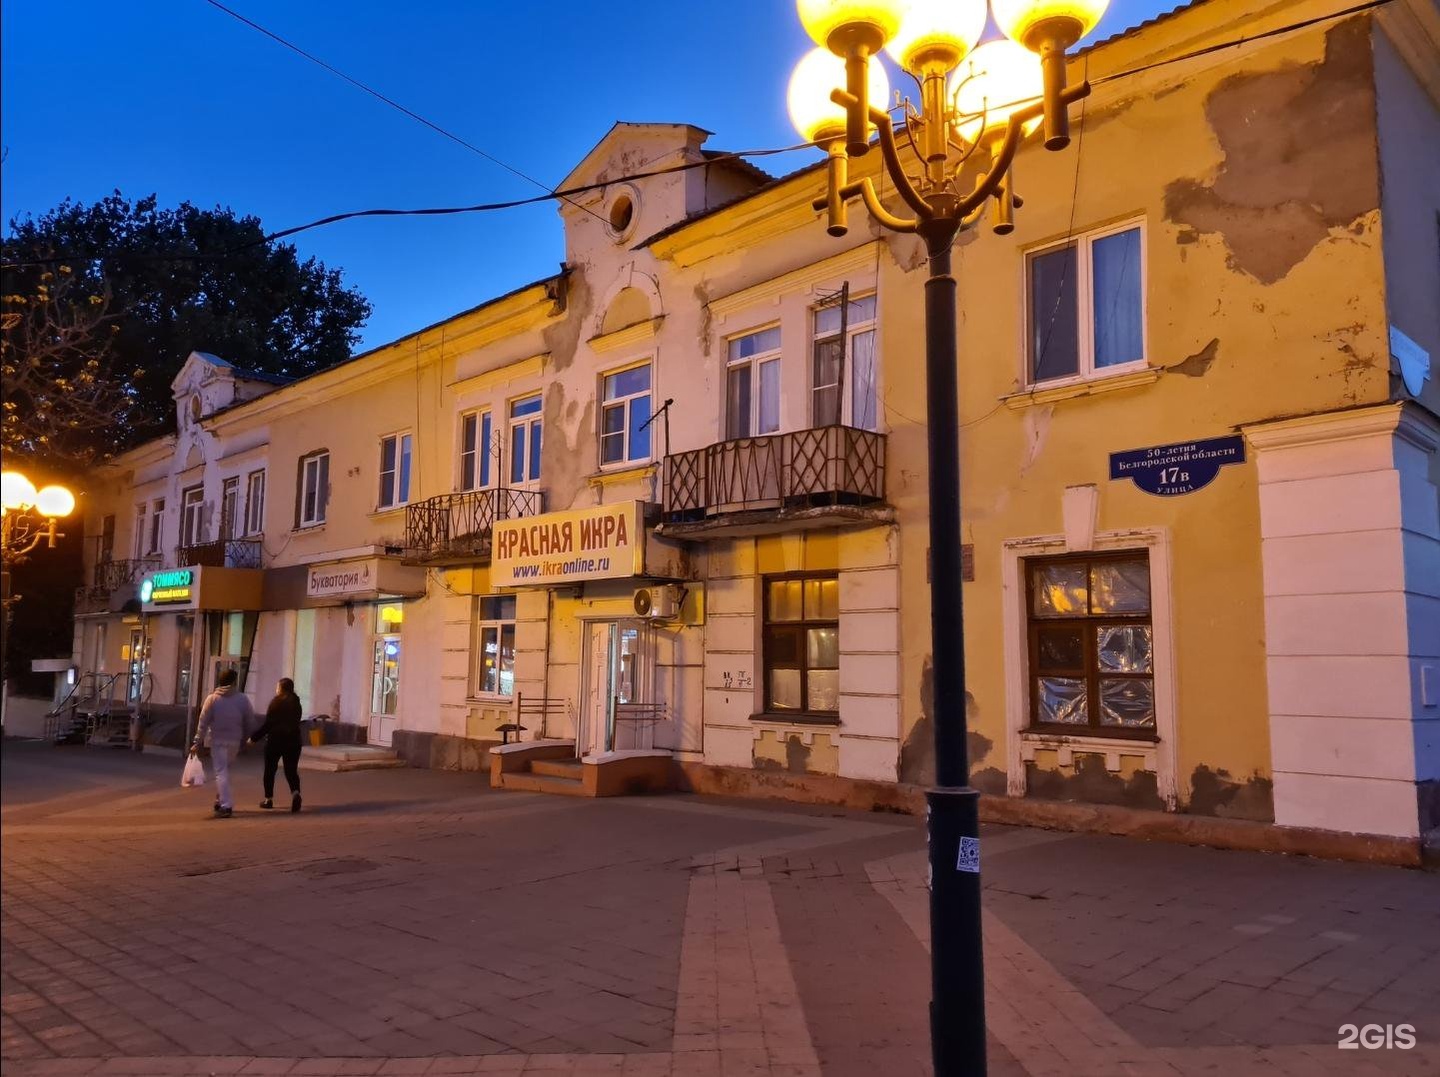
[415,922]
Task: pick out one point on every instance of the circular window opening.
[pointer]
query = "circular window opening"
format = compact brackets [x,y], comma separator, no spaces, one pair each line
[622,212]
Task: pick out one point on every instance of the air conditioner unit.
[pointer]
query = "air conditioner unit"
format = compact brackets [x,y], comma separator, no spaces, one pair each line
[657,602]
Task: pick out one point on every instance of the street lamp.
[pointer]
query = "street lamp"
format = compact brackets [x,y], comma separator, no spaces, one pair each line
[964,135]
[30,516]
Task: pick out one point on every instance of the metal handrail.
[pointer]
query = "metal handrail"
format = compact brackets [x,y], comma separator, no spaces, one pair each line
[223,553]
[460,524]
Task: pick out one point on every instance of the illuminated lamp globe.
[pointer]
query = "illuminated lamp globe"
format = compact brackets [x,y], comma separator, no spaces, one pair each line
[55,501]
[998,78]
[815,116]
[1061,23]
[843,25]
[16,491]
[935,35]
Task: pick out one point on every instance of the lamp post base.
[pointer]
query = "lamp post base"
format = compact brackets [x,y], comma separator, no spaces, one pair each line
[957,1007]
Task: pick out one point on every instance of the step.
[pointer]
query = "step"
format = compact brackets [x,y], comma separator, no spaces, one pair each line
[569,769]
[520,781]
[346,757]
[333,766]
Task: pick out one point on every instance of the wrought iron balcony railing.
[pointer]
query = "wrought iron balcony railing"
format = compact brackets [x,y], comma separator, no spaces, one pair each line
[222,553]
[459,526]
[112,575]
[826,466]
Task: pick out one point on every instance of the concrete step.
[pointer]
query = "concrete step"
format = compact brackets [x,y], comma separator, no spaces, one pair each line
[569,769]
[523,782]
[347,757]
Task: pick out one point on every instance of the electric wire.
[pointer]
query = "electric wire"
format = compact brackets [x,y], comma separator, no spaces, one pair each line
[485,207]
[390,101]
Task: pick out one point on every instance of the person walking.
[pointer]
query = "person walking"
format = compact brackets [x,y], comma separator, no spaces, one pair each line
[225,717]
[281,734]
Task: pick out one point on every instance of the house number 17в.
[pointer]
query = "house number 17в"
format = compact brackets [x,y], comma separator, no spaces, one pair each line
[1182,468]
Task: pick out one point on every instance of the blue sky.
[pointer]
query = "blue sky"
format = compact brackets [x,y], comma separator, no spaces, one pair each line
[177,98]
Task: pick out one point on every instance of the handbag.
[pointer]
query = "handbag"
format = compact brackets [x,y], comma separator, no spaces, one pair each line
[194,772]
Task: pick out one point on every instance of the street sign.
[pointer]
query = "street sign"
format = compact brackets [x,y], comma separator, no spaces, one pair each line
[1182,468]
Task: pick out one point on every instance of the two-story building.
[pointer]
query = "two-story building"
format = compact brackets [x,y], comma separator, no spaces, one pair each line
[671,502]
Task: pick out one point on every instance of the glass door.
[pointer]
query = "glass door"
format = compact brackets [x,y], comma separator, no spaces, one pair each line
[385,673]
[617,671]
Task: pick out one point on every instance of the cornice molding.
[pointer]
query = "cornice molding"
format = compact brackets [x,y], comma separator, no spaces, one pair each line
[797,280]
[487,379]
[1332,426]
[638,333]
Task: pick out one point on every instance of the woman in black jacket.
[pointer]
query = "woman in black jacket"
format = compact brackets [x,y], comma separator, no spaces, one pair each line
[281,733]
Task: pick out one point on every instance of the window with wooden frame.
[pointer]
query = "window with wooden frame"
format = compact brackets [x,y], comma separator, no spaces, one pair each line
[477,438]
[157,525]
[255,502]
[844,373]
[312,489]
[140,531]
[192,516]
[802,645]
[230,508]
[494,646]
[1085,302]
[752,384]
[1092,662]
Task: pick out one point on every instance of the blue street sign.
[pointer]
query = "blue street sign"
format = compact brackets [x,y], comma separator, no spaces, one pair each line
[1182,468]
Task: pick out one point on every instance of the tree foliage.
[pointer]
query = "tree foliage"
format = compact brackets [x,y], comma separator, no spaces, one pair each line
[173,281]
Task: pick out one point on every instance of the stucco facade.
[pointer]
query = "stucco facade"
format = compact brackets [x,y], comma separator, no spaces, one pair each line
[1276,206]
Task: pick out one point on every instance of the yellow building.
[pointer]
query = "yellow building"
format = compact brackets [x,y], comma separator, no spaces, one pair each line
[1199,470]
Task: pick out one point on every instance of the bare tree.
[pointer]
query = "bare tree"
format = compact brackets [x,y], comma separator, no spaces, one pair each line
[60,379]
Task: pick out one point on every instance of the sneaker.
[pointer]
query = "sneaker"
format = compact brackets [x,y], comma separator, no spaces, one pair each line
[295,803]
[225,813]
[267,804]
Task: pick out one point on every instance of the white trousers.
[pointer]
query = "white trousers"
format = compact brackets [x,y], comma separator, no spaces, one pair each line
[221,756]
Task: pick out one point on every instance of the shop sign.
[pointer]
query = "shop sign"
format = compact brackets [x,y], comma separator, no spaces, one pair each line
[323,580]
[1182,468]
[605,542]
[163,588]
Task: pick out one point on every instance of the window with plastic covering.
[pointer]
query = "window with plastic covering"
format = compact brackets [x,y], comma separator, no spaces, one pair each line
[802,645]
[1092,661]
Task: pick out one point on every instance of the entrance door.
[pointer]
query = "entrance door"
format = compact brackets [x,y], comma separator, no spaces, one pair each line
[138,660]
[617,675]
[385,674]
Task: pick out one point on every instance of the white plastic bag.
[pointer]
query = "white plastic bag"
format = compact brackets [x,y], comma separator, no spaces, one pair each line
[194,773]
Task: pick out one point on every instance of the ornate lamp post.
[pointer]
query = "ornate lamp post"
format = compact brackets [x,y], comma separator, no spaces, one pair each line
[964,136]
[30,517]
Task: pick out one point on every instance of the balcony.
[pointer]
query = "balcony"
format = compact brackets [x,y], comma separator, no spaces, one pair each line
[222,553]
[113,582]
[456,528]
[831,476]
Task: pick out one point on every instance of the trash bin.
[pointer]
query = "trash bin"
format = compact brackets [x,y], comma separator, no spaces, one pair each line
[316,729]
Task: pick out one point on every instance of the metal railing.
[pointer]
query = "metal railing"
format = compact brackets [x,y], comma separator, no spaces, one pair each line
[112,575]
[222,553]
[460,525]
[828,465]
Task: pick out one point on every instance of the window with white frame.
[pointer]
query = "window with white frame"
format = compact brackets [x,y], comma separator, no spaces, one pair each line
[192,516]
[1085,303]
[526,428]
[140,530]
[752,384]
[394,470]
[230,508]
[624,410]
[844,371]
[157,525]
[313,489]
[255,502]
[494,647]
[477,437]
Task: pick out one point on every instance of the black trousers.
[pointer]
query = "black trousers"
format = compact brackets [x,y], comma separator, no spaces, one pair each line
[276,750]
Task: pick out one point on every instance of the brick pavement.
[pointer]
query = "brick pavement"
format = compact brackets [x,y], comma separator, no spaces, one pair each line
[416,922]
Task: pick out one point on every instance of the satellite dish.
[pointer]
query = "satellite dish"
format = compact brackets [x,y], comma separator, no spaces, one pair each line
[1413,360]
